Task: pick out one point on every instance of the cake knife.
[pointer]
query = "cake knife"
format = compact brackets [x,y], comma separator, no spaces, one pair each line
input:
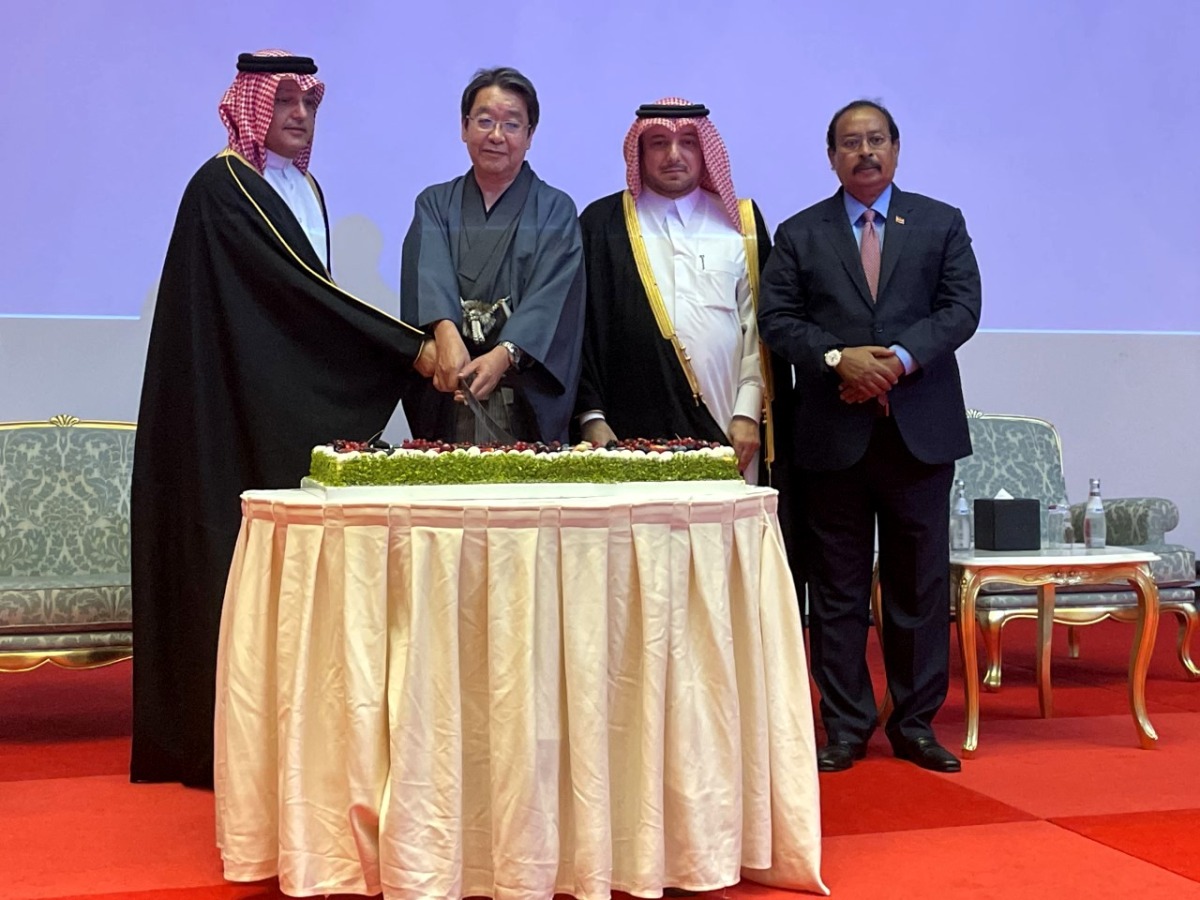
[490,425]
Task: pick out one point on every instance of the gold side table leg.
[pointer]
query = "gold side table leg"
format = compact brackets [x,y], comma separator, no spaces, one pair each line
[1143,647]
[967,591]
[1045,621]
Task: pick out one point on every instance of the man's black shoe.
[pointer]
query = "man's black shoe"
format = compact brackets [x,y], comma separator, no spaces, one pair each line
[837,756]
[927,753]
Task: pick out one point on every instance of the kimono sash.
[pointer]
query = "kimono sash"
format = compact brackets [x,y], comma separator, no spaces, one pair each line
[483,245]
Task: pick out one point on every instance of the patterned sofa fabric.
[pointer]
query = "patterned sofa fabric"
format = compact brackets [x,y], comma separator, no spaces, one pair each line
[92,640]
[1072,598]
[64,533]
[68,608]
[1016,454]
[1134,521]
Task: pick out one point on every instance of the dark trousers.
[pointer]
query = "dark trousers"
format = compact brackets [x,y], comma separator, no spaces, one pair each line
[909,501]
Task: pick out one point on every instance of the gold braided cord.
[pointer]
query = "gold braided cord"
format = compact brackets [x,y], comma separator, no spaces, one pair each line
[654,295]
[750,236]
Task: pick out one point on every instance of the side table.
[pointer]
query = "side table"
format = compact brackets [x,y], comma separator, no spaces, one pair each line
[1046,570]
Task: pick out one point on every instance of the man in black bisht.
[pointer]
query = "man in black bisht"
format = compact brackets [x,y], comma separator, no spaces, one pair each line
[671,343]
[493,269]
[255,356]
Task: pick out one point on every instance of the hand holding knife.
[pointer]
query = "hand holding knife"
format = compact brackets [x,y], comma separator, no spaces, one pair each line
[488,425]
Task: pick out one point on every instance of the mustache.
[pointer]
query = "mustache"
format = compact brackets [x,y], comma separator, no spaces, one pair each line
[866,164]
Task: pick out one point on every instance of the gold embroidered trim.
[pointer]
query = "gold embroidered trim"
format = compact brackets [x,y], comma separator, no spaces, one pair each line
[750,236]
[654,295]
[228,154]
[312,183]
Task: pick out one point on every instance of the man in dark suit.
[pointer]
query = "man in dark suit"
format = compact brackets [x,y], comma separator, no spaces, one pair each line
[868,294]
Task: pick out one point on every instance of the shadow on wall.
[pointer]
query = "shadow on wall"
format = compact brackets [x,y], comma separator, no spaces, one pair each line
[357,248]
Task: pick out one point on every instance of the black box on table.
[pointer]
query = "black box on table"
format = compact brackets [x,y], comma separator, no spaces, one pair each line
[1008,525]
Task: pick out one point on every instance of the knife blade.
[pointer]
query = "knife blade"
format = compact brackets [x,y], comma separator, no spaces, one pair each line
[490,425]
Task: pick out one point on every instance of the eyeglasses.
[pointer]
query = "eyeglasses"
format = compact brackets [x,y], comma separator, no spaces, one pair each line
[852,142]
[487,125]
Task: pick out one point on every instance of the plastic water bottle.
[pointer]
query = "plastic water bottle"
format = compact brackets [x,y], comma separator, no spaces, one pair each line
[960,519]
[1056,525]
[1095,530]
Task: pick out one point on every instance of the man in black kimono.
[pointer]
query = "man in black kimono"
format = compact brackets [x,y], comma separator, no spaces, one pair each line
[255,356]
[492,267]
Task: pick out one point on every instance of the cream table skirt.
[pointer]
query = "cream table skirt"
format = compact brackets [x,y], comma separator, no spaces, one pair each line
[511,697]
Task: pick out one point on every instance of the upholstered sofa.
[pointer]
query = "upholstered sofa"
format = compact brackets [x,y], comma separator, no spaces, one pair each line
[1023,456]
[65,595]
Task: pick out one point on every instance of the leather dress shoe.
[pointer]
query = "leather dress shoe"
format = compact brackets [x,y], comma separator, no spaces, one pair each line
[837,756]
[927,753]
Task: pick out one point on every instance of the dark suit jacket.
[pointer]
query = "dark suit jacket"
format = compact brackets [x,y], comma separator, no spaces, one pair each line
[815,297]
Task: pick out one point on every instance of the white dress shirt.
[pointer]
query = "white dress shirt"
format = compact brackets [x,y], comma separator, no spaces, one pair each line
[699,261]
[301,198]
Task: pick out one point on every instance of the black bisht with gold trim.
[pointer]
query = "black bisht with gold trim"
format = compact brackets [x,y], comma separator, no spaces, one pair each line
[255,357]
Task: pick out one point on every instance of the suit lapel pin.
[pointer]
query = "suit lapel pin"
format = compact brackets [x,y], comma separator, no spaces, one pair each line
[899,220]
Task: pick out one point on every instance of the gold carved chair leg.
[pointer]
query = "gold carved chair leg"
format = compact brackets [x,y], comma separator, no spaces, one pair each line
[1188,619]
[1072,642]
[990,624]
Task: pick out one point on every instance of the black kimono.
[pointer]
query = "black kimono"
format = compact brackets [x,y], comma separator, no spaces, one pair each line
[538,270]
[255,357]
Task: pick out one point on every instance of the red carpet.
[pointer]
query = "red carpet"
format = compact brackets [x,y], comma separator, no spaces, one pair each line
[1167,839]
[1068,806]
[877,795]
[1019,859]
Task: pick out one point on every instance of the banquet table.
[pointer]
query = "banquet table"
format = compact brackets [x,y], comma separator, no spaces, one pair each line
[512,692]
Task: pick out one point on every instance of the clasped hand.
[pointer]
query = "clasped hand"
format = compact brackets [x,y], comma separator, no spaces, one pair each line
[867,372]
[453,361]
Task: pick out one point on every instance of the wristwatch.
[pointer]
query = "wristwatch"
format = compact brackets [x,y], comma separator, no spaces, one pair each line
[833,357]
[515,354]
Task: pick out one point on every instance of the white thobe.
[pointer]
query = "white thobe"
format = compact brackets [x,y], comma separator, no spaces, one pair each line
[699,261]
[301,198]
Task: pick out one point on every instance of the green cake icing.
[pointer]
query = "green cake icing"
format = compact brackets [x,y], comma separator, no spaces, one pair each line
[473,466]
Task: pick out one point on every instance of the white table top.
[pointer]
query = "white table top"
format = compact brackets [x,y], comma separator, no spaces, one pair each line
[536,494]
[1077,555]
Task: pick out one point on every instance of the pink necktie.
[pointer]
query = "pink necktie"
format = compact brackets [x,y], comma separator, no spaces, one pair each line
[870,252]
[870,264]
